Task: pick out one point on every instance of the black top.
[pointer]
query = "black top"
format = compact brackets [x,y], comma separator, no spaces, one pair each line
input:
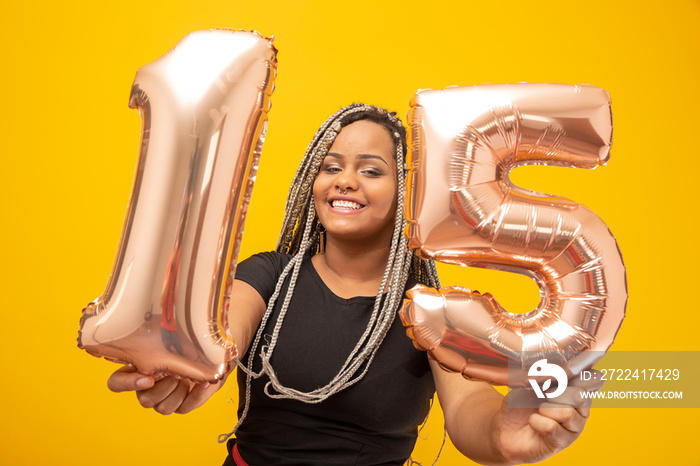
[372,422]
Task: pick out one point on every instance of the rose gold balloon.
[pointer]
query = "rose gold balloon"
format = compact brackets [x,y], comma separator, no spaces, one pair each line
[204,111]
[464,210]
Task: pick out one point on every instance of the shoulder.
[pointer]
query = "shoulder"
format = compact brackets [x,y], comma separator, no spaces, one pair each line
[267,260]
[262,270]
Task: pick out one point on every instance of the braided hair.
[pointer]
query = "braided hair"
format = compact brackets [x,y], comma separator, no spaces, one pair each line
[299,237]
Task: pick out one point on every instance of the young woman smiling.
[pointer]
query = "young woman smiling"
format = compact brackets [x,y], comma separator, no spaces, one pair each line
[326,372]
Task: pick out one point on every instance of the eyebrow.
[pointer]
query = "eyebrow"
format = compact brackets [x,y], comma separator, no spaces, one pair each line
[360,156]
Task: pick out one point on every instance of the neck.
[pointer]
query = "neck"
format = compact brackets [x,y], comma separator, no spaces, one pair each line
[352,269]
[361,260]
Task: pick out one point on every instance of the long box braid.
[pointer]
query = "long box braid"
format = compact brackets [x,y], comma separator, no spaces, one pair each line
[299,237]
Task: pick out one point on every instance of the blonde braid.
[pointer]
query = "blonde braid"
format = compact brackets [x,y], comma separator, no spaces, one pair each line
[298,237]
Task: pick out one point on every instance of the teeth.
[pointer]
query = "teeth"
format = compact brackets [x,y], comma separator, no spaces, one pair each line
[346,205]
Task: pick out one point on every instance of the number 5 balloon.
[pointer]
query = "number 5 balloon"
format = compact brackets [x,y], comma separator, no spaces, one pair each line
[204,112]
[464,210]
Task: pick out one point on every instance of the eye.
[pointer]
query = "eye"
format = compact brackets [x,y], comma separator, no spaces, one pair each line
[330,168]
[372,172]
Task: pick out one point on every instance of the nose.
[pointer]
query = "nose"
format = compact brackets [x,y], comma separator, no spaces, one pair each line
[346,180]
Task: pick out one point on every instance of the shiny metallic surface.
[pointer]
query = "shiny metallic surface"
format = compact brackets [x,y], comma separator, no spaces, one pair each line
[204,112]
[463,209]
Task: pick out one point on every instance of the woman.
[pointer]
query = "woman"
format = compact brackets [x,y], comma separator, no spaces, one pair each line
[345,385]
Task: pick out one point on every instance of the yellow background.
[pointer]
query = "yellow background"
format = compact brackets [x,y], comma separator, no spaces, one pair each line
[70,143]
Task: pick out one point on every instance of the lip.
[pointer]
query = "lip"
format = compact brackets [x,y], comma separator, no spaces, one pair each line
[345,198]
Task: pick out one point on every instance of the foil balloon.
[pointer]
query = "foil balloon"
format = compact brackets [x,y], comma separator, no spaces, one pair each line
[204,109]
[463,209]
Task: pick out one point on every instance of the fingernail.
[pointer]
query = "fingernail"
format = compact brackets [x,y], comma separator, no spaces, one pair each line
[144,382]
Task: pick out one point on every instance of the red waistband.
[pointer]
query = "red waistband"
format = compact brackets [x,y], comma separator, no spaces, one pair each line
[237,456]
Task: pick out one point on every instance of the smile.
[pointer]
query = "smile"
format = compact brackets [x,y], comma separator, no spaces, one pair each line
[345,204]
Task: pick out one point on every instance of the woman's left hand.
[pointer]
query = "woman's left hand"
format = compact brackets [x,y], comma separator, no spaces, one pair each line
[533,434]
[166,395]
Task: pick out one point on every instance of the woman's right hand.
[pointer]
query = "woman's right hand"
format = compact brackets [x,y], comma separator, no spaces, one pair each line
[170,395]
[167,395]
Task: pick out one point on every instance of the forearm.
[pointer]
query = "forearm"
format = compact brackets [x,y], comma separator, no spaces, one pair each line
[472,413]
[244,315]
[473,424]
[488,429]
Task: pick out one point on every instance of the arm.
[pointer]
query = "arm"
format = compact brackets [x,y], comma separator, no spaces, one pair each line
[469,408]
[483,427]
[170,395]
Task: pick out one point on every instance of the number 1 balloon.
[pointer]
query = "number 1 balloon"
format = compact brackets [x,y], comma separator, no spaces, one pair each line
[204,112]
[464,210]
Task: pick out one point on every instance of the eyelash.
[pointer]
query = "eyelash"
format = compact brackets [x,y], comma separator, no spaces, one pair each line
[371,172]
[328,169]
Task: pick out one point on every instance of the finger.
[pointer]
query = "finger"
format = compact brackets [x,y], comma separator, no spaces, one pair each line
[520,403]
[127,378]
[568,417]
[155,395]
[552,432]
[578,389]
[174,400]
[196,397]
[572,397]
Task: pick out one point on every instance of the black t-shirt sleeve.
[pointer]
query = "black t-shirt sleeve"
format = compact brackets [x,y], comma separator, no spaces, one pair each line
[261,271]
